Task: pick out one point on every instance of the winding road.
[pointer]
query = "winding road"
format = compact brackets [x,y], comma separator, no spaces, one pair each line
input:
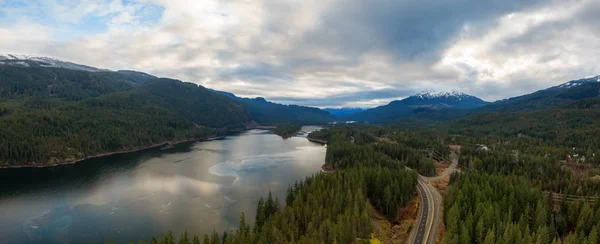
[428,218]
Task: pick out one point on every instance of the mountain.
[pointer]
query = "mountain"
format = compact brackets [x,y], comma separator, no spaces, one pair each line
[339,112]
[52,116]
[575,124]
[31,61]
[556,96]
[453,99]
[269,113]
[422,104]
[136,76]
[574,83]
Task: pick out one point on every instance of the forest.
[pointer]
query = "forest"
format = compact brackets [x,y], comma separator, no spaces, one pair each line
[332,207]
[287,130]
[484,208]
[509,190]
[53,116]
[530,176]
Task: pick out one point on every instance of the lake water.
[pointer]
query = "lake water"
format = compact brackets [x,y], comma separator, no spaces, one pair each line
[195,187]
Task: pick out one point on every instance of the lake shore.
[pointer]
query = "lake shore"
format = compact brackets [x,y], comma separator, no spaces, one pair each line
[327,169]
[317,140]
[104,154]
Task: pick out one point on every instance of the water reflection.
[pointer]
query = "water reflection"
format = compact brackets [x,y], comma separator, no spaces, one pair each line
[194,187]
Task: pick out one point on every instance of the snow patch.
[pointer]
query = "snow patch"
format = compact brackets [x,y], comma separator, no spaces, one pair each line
[431,94]
[579,82]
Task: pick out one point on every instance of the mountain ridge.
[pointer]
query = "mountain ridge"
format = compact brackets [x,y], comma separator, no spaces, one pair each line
[266,112]
[555,96]
[47,62]
[415,105]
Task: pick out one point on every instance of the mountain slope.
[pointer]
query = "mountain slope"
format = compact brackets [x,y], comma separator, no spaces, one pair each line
[574,125]
[31,88]
[556,96]
[47,121]
[30,61]
[265,112]
[421,104]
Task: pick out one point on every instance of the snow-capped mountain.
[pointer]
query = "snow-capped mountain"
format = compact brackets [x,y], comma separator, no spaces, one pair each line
[32,61]
[579,82]
[426,102]
[441,99]
[432,94]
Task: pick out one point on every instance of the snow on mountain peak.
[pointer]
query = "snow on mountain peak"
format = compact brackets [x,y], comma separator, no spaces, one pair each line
[575,83]
[28,61]
[429,94]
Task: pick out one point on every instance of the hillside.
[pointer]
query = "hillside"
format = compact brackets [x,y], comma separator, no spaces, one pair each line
[573,125]
[556,96]
[421,105]
[265,112]
[53,116]
[13,60]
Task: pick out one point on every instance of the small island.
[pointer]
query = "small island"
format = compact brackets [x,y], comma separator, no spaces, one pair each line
[287,130]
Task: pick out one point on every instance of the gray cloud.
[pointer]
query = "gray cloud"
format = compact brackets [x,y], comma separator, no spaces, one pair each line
[334,52]
[340,100]
[407,29]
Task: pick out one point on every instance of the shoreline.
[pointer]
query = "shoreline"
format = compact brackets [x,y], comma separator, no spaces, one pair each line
[317,140]
[324,170]
[105,154]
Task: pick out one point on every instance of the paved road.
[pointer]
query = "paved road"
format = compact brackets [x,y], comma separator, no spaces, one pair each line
[429,217]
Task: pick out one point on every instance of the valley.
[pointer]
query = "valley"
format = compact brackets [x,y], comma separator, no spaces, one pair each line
[299,122]
[135,134]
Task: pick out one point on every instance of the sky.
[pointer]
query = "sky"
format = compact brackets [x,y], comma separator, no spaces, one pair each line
[323,53]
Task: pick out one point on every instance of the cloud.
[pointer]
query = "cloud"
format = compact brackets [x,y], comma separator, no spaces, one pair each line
[321,52]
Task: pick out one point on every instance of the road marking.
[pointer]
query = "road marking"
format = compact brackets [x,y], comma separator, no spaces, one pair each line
[430,215]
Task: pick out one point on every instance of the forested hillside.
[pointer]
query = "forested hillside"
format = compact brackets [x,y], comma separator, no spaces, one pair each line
[265,112]
[54,85]
[52,116]
[574,128]
[557,96]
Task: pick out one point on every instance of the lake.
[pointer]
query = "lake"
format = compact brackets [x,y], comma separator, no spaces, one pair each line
[192,186]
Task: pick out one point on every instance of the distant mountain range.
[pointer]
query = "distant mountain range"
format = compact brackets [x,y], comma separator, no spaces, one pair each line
[417,104]
[85,111]
[427,104]
[266,112]
[339,112]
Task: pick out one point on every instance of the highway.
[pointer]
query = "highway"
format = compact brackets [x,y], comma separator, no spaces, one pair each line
[428,218]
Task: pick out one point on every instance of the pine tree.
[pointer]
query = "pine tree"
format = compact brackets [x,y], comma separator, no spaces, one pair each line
[593,236]
[490,237]
[183,239]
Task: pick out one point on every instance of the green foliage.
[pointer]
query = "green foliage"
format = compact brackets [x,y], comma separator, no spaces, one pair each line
[350,146]
[543,99]
[483,208]
[59,84]
[97,115]
[287,130]
[325,208]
